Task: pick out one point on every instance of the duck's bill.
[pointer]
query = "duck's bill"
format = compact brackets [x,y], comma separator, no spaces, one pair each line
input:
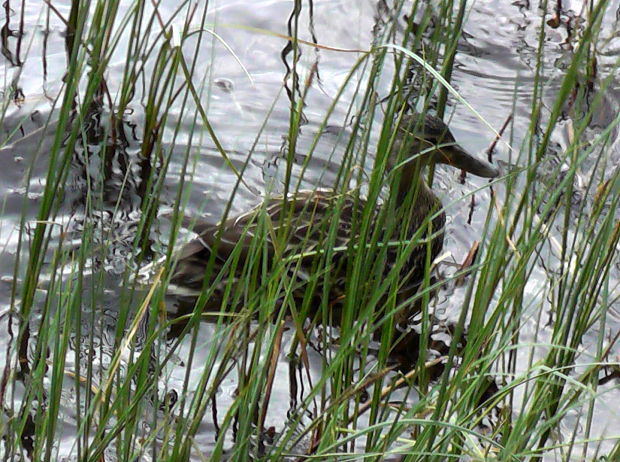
[457,157]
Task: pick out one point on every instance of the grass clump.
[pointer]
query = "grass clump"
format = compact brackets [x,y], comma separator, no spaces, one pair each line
[139,375]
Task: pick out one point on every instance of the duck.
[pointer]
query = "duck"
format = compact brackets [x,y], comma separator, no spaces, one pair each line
[315,234]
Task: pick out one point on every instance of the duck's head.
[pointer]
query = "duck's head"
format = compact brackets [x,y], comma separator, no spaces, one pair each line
[426,140]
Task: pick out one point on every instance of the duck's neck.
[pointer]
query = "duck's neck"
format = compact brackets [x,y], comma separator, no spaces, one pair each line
[412,187]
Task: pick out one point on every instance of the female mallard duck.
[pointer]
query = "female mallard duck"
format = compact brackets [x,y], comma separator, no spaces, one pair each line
[296,230]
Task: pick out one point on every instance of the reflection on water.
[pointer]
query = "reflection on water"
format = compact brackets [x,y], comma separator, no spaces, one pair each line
[247,82]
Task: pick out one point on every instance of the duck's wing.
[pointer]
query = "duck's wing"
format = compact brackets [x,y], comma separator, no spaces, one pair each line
[221,238]
[306,217]
[192,259]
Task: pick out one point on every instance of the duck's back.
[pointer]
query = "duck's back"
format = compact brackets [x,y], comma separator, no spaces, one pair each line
[296,230]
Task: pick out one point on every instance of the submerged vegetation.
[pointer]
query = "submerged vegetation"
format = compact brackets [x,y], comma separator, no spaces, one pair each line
[100,365]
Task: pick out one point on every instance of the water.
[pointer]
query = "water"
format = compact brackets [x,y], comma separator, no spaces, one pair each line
[243,90]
